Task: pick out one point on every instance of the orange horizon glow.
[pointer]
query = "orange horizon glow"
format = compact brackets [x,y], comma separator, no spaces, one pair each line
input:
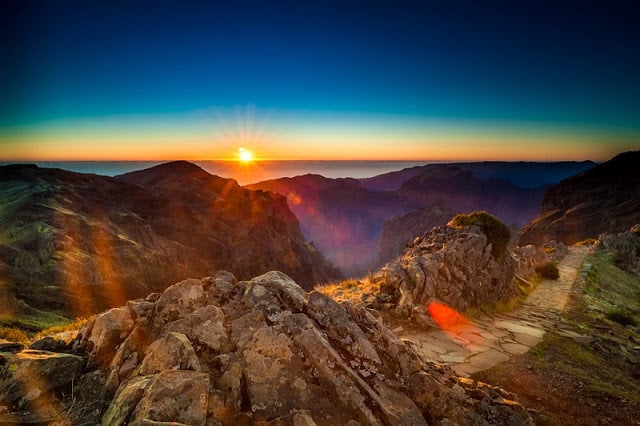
[201,139]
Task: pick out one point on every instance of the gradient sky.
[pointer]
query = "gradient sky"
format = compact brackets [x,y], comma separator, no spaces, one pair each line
[432,80]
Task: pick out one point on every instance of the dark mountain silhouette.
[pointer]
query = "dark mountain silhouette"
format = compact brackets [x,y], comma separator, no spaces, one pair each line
[345,217]
[459,189]
[82,242]
[603,199]
[525,174]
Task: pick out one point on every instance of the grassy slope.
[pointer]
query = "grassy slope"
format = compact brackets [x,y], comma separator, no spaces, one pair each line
[587,383]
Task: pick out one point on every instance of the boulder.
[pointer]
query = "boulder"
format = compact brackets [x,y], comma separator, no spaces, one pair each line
[458,266]
[221,352]
[175,397]
[205,327]
[177,302]
[172,352]
[101,336]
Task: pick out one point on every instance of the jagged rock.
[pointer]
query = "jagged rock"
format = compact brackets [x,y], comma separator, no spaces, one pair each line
[204,326]
[625,248]
[170,396]
[276,356]
[172,352]
[178,301]
[456,266]
[174,396]
[101,336]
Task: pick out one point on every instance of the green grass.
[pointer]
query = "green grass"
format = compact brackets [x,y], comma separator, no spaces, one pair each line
[609,289]
[37,321]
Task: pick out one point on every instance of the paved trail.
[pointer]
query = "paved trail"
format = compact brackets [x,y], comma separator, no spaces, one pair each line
[489,340]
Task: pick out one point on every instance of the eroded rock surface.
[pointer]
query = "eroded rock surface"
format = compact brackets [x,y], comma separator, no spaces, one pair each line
[264,352]
[455,266]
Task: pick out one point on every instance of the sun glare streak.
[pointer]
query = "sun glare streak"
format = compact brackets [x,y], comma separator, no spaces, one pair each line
[457,326]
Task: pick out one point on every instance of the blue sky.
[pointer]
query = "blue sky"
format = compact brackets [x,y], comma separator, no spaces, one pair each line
[156,75]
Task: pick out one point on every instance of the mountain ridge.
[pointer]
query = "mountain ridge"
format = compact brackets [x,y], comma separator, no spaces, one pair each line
[82,242]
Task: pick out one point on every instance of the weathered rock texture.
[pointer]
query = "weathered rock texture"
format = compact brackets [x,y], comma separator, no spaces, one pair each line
[400,230]
[605,199]
[455,266]
[624,247]
[221,352]
[529,257]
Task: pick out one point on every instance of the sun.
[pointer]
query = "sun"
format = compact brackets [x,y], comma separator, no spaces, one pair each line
[244,155]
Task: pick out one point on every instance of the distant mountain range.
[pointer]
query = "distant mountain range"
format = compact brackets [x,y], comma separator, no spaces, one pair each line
[83,242]
[345,217]
[604,199]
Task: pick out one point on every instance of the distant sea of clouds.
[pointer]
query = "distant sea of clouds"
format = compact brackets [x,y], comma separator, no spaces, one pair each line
[246,173]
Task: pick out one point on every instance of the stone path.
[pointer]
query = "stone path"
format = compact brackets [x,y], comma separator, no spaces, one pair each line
[489,340]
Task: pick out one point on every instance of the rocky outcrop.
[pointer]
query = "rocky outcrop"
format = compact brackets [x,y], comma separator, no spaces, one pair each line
[605,199]
[399,231]
[624,247]
[265,353]
[457,266]
[530,257]
[84,243]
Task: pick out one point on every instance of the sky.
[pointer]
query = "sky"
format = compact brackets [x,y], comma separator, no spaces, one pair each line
[320,80]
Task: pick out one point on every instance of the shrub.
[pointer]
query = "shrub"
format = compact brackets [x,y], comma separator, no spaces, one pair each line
[13,335]
[621,317]
[548,271]
[498,234]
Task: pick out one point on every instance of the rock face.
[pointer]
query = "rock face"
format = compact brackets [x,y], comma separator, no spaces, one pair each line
[605,199]
[401,230]
[455,266]
[625,248]
[272,355]
[71,240]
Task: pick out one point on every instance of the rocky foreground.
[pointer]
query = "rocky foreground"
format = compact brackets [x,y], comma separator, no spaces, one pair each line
[217,351]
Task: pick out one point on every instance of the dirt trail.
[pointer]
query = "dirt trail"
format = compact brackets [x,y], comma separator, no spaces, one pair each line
[489,340]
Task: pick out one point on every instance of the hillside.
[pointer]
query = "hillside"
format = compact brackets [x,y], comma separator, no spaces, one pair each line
[461,190]
[605,199]
[340,216]
[81,243]
[345,217]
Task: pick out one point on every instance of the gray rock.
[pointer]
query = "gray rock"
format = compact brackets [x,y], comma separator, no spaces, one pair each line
[204,327]
[104,333]
[286,289]
[174,396]
[177,302]
[172,352]
[453,265]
